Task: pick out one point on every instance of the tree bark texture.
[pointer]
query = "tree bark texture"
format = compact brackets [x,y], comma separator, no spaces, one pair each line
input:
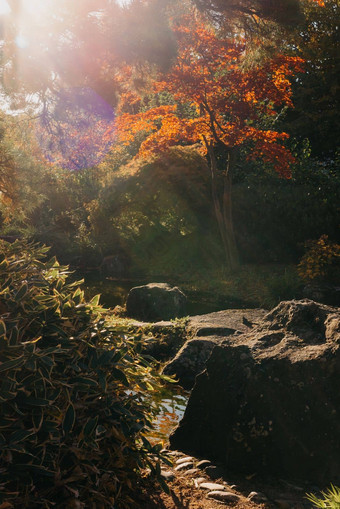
[223,208]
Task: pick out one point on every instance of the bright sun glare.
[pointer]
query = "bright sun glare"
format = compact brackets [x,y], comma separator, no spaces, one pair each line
[4,7]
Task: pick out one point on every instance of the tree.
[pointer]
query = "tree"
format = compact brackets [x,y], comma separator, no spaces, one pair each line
[316,91]
[218,106]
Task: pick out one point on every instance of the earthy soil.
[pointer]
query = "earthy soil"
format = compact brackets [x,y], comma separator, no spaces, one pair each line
[185,494]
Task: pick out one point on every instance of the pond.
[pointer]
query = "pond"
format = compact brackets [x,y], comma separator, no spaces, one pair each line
[173,401]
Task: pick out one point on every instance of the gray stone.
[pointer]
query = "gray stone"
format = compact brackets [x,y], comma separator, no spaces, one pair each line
[155,301]
[190,360]
[224,496]
[185,459]
[257,497]
[199,481]
[175,453]
[203,464]
[224,323]
[212,486]
[208,331]
[168,475]
[192,471]
[184,466]
[258,412]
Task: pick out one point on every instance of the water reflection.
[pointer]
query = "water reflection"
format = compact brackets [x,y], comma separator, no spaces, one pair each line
[172,406]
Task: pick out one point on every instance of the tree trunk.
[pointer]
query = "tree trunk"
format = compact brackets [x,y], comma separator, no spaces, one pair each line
[223,209]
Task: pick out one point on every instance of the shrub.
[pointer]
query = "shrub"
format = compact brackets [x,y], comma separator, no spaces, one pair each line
[330,500]
[319,259]
[73,409]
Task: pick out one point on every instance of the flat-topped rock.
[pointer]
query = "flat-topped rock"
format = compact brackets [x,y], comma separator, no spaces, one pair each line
[224,323]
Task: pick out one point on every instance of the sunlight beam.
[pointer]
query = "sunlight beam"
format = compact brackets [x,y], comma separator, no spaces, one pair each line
[4,8]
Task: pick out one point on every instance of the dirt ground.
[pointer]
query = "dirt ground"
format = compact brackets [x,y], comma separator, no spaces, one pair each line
[185,495]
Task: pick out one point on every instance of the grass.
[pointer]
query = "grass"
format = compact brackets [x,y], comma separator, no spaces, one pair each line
[252,286]
[330,498]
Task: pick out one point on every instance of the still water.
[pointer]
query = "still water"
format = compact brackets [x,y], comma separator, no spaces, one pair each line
[173,403]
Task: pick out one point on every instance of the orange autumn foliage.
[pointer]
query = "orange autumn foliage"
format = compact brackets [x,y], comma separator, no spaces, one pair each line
[226,102]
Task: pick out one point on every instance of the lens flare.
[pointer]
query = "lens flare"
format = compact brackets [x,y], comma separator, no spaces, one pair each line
[79,131]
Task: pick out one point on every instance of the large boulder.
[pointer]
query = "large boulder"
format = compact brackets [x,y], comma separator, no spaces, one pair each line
[156,301]
[191,360]
[205,332]
[269,399]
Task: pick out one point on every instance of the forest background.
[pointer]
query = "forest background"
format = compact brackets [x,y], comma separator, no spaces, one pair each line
[86,87]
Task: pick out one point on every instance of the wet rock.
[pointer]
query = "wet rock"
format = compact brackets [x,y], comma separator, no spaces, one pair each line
[224,496]
[155,301]
[268,399]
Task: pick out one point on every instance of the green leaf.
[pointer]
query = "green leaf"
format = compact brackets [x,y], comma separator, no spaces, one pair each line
[36,401]
[84,381]
[2,328]
[21,293]
[15,363]
[163,484]
[19,436]
[69,419]
[4,264]
[37,418]
[36,469]
[95,300]
[7,396]
[14,337]
[119,375]
[90,426]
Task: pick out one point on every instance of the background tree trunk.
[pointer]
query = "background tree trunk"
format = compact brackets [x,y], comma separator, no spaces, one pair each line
[223,209]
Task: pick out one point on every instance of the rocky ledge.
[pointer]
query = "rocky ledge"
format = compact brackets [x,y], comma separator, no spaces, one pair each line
[203,333]
[268,399]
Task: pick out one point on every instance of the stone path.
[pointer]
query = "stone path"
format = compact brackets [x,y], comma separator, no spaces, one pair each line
[215,483]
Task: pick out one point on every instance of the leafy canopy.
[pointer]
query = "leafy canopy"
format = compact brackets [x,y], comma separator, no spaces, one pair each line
[215,101]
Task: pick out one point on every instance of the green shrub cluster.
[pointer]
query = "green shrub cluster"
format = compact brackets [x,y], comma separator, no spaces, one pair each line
[330,498]
[73,409]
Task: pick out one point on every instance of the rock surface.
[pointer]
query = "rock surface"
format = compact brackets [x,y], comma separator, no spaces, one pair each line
[224,323]
[155,301]
[208,331]
[269,399]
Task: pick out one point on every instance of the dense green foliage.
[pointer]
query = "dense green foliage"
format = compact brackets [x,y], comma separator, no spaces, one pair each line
[316,91]
[72,392]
